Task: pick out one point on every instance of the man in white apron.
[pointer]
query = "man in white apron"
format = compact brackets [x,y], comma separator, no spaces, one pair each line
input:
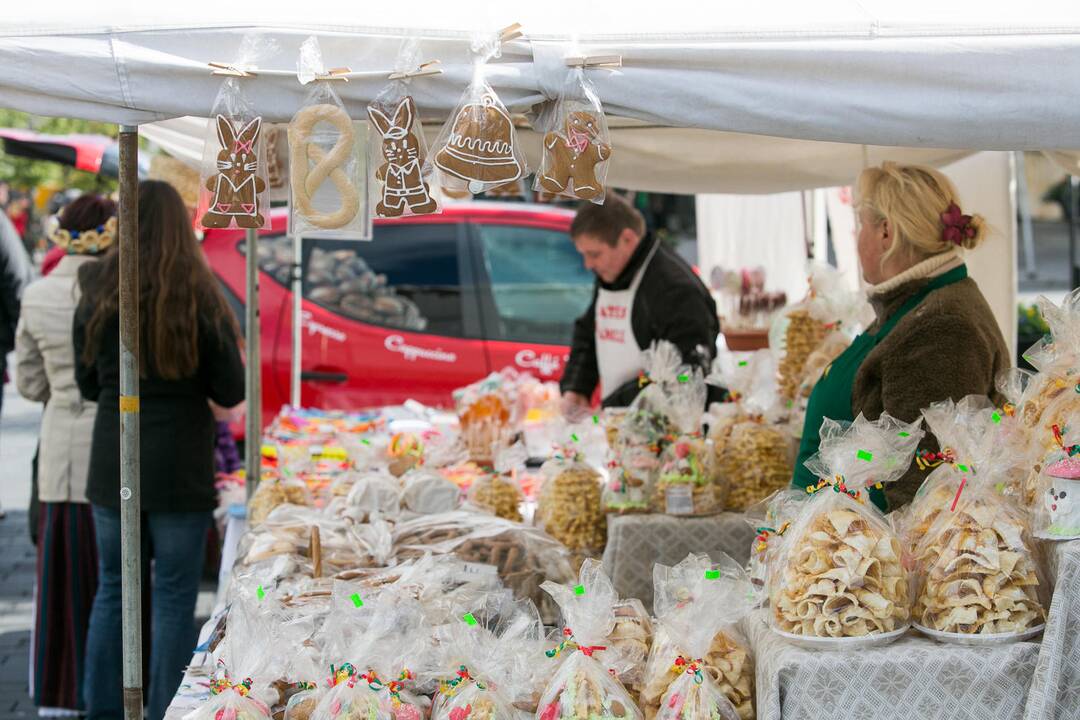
[644,292]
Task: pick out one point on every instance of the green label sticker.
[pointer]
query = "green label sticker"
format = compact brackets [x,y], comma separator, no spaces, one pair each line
[712,574]
[365,441]
[260,593]
[867,456]
[744,363]
[596,419]
[356,601]
[684,378]
[574,437]
[996,417]
[905,434]
[469,619]
[579,590]
[963,468]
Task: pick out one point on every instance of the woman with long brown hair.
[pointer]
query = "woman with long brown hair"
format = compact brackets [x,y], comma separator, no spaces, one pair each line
[189,353]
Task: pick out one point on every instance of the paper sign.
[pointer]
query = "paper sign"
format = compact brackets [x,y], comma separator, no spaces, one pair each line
[679,500]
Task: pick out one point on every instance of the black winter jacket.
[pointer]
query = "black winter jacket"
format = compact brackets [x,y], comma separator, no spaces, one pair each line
[671,304]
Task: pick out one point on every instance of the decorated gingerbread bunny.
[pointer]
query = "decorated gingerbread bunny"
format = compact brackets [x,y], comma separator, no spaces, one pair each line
[404,187]
[237,185]
[572,157]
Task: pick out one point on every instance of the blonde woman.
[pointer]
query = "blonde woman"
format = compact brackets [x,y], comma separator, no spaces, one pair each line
[934,337]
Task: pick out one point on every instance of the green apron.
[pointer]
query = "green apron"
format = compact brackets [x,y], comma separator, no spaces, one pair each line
[831,397]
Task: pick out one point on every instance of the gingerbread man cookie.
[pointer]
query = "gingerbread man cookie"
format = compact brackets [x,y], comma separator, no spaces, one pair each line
[572,157]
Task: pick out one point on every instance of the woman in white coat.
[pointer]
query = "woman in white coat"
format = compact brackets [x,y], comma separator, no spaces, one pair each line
[45,372]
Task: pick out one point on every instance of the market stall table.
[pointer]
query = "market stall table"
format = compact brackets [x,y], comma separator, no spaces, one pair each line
[636,542]
[1055,689]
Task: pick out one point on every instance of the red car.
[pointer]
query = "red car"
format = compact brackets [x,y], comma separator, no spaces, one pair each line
[432,303]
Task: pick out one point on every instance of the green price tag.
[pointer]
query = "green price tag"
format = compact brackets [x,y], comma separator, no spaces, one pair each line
[596,419]
[963,468]
[260,593]
[712,574]
[905,434]
[744,363]
[996,417]
[365,441]
[574,437]
[356,601]
[469,619]
[684,378]
[867,456]
[579,590]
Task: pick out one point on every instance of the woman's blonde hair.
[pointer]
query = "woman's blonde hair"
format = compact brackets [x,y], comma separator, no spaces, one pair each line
[912,198]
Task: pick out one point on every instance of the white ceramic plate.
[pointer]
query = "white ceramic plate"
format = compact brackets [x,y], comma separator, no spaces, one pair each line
[978,639]
[810,642]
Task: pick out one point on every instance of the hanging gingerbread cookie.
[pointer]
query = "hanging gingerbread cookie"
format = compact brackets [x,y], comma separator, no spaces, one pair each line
[405,191]
[577,149]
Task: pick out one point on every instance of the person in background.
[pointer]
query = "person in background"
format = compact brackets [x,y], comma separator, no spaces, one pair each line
[644,292]
[189,355]
[18,211]
[45,372]
[15,273]
[935,336]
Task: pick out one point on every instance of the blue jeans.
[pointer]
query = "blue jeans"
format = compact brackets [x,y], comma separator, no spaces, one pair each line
[176,542]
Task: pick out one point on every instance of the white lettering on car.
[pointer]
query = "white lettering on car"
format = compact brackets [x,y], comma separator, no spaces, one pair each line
[314,327]
[545,363]
[397,344]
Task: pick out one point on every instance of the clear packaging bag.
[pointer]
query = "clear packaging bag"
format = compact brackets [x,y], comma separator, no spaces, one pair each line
[272,492]
[839,579]
[770,519]
[327,160]
[1057,509]
[426,492]
[478,149]
[975,563]
[403,183]
[586,684]
[233,180]
[570,507]
[577,148]
[699,661]
[631,638]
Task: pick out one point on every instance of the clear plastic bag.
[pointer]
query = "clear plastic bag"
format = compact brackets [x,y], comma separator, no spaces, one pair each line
[771,518]
[570,508]
[427,492]
[403,183]
[478,149]
[373,495]
[327,160]
[697,652]
[1057,511]
[233,180]
[631,638]
[976,565]
[839,575]
[484,411]
[585,684]
[272,492]
[577,147]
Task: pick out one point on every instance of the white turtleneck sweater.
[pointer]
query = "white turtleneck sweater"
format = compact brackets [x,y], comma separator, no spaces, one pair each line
[931,267]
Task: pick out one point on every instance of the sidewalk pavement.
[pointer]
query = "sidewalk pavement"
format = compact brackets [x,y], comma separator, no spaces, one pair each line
[17,563]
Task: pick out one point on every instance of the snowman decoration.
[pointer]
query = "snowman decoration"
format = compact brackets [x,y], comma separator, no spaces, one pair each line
[1058,500]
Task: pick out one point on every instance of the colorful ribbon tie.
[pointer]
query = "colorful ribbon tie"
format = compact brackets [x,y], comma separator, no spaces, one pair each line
[1059,438]
[450,687]
[568,643]
[394,687]
[223,683]
[764,533]
[838,485]
[346,673]
[926,459]
[690,667]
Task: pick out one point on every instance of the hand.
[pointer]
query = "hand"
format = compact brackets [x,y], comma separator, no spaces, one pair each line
[575,406]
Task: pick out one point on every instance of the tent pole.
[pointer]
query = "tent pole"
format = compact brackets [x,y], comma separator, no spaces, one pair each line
[130,548]
[252,344]
[1074,208]
[297,321]
[1027,235]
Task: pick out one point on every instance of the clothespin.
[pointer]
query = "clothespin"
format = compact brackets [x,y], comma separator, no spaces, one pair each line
[421,71]
[338,73]
[232,70]
[594,61]
[513,32]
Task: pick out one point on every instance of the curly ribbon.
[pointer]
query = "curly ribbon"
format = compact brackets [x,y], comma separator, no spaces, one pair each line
[450,687]
[690,667]
[643,379]
[927,460]
[346,673]
[838,485]
[223,683]
[568,643]
[763,534]
[394,687]
[1059,437]
[372,679]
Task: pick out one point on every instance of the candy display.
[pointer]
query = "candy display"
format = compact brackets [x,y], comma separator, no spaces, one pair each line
[840,574]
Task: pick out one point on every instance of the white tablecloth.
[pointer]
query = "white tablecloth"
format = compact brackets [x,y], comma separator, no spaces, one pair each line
[1055,689]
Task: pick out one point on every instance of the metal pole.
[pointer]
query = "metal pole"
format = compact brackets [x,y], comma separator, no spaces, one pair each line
[297,320]
[130,535]
[1074,209]
[1027,234]
[253,389]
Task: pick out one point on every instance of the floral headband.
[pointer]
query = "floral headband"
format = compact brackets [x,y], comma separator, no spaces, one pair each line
[92,241]
[958,226]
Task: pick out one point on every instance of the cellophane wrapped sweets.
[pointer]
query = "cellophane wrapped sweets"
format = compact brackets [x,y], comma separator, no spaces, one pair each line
[631,638]
[272,492]
[840,572]
[771,518]
[498,492]
[586,683]
[640,435]
[975,562]
[700,665]
[577,146]
[570,507]
[1057,510]
[484,411]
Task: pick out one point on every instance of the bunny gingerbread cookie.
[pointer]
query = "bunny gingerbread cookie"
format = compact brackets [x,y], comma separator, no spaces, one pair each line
[404,187]
[236,186]
[572,157]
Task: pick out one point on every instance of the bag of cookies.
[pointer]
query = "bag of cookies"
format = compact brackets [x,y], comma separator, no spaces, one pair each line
[327,159]
[484,411]
[699,661]
[275,491]
[498,492]
[426,492]
[1057,509]
[586,683]
[839,579]
[234,184]
[570,508]
[770,519]
[631,638]
[403,181]
[975,562]
[478,148]
[577,146]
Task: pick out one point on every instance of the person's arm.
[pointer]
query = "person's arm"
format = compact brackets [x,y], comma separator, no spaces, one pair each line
[222,366]
[86,376]
[30,378]
[581,373]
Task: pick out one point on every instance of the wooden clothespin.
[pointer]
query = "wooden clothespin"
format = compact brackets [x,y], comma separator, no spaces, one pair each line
[594,61]
[513,32]
[338,73]
[231,70]
[424,70]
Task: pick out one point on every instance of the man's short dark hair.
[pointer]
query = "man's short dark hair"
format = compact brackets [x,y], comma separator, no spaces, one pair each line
[606,222]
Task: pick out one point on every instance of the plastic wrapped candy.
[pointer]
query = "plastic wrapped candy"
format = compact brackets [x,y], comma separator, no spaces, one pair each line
[570,507]
[976,565]
[1052,398]
[1057,510]
[699,662]
[373,495]
[484,411]
[771,518]
[839,575]
[577,148]
[585,686]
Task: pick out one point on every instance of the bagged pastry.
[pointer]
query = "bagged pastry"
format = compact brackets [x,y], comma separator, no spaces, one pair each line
[484,412]
[631,638]
[585,684]
[498,492]
[570,508]
[327,161]
[771,518]
[700,664]
[639,436]
[272,492]
[1057,510]
[426,492]
[233,181]
[478,149]
[577,147]
[840,573]
[403,181]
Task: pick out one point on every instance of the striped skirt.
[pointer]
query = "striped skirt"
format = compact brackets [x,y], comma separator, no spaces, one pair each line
[66,582]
